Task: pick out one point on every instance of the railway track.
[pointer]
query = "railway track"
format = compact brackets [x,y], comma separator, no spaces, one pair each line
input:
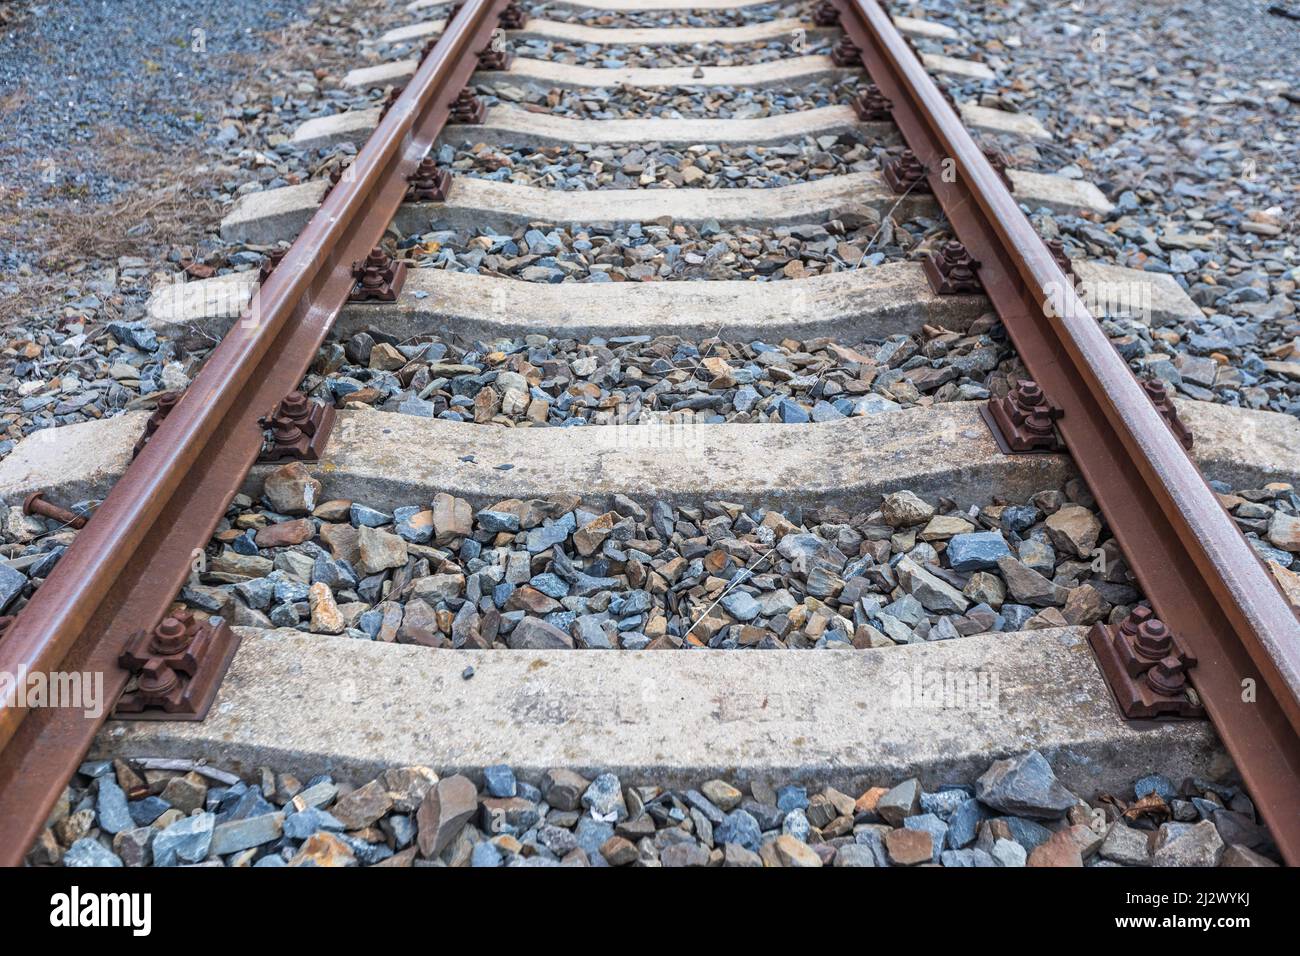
[909,438]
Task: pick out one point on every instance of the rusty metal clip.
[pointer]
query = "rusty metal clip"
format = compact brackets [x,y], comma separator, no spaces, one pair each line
[178,667]
[1022,421]
[513,17]
[996,159]
[1057,248]
[299,429]
[1145,666]
[379,278]
[872,106]
[467,109]
[494,58]
[429,182]
[846,53]
[273,259]
[951,270]
[904,172]
[825,14]
[166,402]
[1158,392]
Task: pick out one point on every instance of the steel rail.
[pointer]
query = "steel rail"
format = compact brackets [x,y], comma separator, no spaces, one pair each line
[1200,574]
[126,566]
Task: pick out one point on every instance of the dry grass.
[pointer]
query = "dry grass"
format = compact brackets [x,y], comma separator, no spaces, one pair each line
[158,211]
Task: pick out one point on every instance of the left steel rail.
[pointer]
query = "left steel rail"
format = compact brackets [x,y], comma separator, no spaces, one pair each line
[128,563]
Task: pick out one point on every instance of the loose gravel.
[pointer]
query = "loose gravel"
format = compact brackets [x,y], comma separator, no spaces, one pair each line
[617,56]
[1191,132]
[538,381]
[1017,813]
[652,165]
[715,102]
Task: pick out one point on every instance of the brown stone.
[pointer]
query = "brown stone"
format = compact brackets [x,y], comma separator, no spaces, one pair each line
[291,490]
[1061,849]
[323,849]
[362,806]
[447,807]
[909,847]
[284,534]
[452,518]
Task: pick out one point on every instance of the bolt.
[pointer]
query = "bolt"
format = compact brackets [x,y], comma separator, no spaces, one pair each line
[157,679]
[173,634]
[35,503]
[1167,677]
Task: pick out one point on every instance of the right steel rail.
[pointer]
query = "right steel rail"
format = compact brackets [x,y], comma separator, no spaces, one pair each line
[1199,572]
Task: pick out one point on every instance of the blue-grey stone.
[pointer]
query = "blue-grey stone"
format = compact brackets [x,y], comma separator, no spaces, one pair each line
[500,780]
[110,807]
[185,840]
[963,825]
[792,413]
[484,854]
[136,334]
[741,605]
[767,816]
[977,551]
[12,583]
[796,825]
[245,834]
[90,852]
[1154,783]
[369,517]
[872,840]
[284,615]
[1026,786]
[706,806]
[605,797]
[414,533]
[1027,833]
[146,811]
[548,536]
[943,803]
[550,584]
[972,857]
[791,797]
[301,825]
[740,828]
[591,834]
[497,521]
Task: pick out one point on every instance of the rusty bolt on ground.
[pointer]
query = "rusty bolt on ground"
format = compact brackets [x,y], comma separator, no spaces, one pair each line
[35,504]
[494,58]
[1023,420]
[1057,248]
[273,259]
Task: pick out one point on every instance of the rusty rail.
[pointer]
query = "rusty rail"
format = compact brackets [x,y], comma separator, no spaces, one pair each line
[1195,566]
[126,567]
